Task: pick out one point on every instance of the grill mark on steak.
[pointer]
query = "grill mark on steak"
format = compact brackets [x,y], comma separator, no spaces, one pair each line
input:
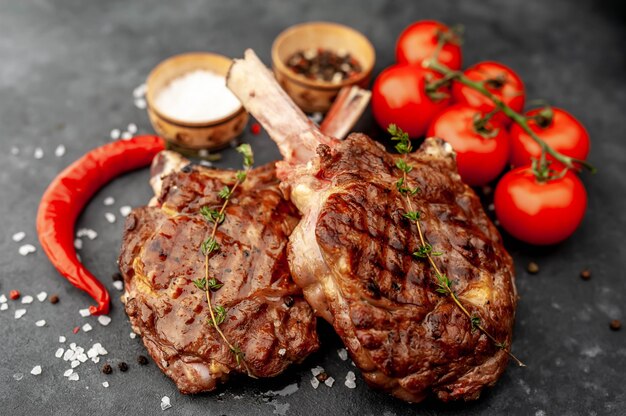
[161,257]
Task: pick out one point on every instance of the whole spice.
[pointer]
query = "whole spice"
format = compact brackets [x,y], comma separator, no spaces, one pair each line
[123,367]
[68,193]
[54,299]
[585,274]
[324,65]
[615,324]
[107,369]
[532,268]
[14,294]
[142,360]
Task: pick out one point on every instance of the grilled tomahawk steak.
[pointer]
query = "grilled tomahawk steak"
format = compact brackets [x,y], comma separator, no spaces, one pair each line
[352,252]
[267,317]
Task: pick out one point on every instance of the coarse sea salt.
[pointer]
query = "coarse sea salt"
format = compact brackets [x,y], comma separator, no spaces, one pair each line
[108,201]
[84,312]
[27,300]
[115,134]
[40,323]
[38,153]
[133,335]
[126,135]
[343,354]
[4,307]
[73,377]
[125,210]
[140,90]
[315,382]
[62,339]
[350,380]
[59,353]
[87,328]
[197,96]
[87,232]
[78,244]
[165,403]
[329,381]
[19,313]
[104,320]
[141,103]
[110,217]
[68,372]
[132,128]
[118,285]
[105,384]
[26,249]
[36,370]
[3,298]
[41,296]
[18,236]
[59,151]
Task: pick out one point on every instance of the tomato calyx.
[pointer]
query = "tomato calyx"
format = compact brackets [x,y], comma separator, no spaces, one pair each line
[544,117]
[497,82]
[483,126]
[433,87]
[542,171]
[453,36]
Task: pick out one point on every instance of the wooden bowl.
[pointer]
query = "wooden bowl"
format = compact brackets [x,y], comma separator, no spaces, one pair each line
[313,95]
[210,135]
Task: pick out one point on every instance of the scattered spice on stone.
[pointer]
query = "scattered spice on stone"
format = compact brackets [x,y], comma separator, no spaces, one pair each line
[54,299]
[532,268]
[107,369]
[142,360]
[14,294]
[123,367]
[324,65]
[322,376]
[585,274]
[615,324]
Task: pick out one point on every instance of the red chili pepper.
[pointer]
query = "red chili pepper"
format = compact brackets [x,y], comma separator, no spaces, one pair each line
[255,128]
[68,193]
[14,294]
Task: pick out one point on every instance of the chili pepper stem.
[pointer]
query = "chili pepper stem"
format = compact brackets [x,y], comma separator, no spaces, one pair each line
[518,118]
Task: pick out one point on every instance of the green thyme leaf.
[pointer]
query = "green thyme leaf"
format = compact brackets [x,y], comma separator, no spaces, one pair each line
[397,134]
[220,314]
[403,166]
[209,246]
[200,283]
[237,353]
[241,176]
[248,157]
[212,215]
[412,215]
[214,284]
[224,193]
[475,320]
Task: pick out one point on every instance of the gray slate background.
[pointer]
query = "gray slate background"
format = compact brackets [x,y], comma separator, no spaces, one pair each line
[67,70]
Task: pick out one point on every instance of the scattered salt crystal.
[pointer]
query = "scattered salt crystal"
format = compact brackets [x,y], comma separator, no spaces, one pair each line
[350,380]
[104,320]
[206,163]
[101,350]
[59,353]
[343,354]
[329,381]
[315,382]
[19,313]
[133,335]
[15,150]
[118,285]
[86,232]
[38,153]
[59,151]
[41,296]
[125,210]
[199,95]
[84,312]
[78,244]
[132,128]
[491,207]
[87,328]
[140,103]
[82,358]
[140,91]
[115,134]
[109,217]
[282,352]
[96,360]
[41,322]
[62,339]
[36,370]
[92,352]
[75,363]
[68,372]
[165,403]
[108,201]
[67,355]
[19,236]
[26,249]
[27,300]
[73,377]
[126,135]
[4,307]
[105,384]
[18,376]
[317,370]
[3,298]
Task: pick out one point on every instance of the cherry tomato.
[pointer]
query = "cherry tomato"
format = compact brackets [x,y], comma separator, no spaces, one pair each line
[481,152]
[500,80]
[562,132]
[536,212]
[399,96]
[419,41]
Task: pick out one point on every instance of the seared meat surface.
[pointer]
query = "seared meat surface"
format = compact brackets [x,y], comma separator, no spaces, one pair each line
[352,252]
[267,318]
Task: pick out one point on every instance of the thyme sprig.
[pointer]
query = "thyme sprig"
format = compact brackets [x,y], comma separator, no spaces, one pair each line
[210,246]
[426,251]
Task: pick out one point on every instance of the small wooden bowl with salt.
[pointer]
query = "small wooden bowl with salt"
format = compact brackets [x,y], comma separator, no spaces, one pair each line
[189,104]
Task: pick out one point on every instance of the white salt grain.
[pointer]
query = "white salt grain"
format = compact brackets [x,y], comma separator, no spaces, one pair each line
[315,382]
[75,363]
[105,384]
[59,151]
[19,313]
[197,96]
[41,296]
[109,217]
[132,128]
[126,135]
[40,323]
[78,244]
[62,339]
[343,354]
[133,335]
[87,232]
[84,312]
[118,285]
[125,210]
[115,134]
[4,307]
[26,249]
[96,360]
[329,381]
[104,320]
[140,91]
[3,299]
[140,103]
[165,403]
[317,370]
[68,372]
[108,201]
[27,300]
[36,370]
[38,153]
[19,236]
[59,353]
[87,328]
[73,377]
[350,380]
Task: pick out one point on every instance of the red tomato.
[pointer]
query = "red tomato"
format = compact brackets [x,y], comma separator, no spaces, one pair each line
[536,212]
[563,133]
[419,42]
[480,158]
[399,96]
[500,80]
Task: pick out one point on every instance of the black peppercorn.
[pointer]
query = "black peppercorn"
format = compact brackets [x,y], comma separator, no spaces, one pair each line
[142,360]
[123,366]
[107,369]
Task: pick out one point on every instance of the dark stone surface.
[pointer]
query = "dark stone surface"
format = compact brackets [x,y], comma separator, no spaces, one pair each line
[66,75]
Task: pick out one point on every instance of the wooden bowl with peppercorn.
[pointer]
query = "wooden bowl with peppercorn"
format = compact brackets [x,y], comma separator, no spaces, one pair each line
[189,104]
[313,61]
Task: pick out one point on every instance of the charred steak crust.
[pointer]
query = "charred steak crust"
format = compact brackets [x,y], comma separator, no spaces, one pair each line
[405,337]
[160,257]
